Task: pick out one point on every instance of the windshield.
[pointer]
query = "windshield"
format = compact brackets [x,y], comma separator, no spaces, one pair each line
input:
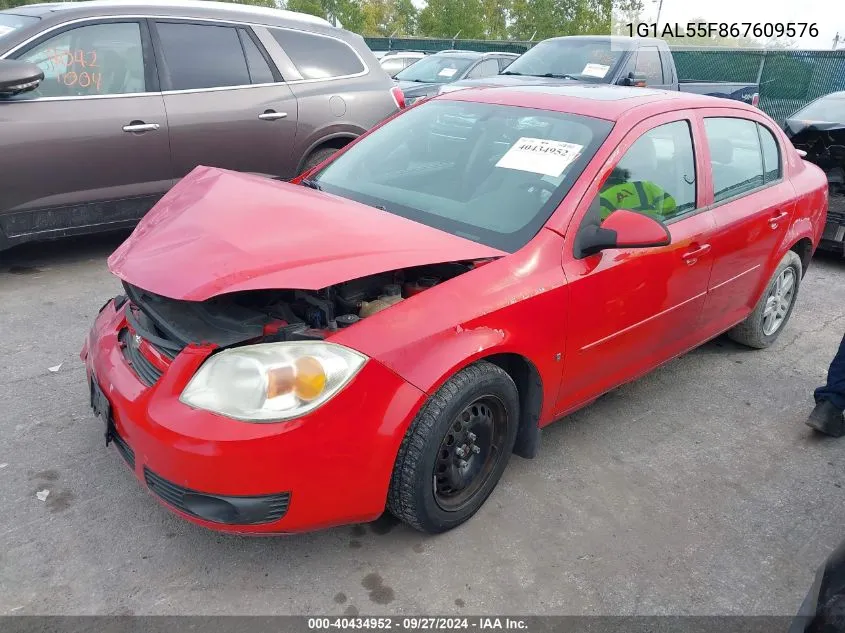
[590,60]
[829,109]
[436,69]
[489,173]
[10,22]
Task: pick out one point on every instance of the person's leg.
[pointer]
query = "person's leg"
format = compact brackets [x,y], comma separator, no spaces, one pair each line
[827,417]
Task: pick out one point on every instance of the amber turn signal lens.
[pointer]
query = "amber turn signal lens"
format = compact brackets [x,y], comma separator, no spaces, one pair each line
[310,378]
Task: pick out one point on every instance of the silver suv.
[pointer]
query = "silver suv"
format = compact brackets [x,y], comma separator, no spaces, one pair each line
[134,95]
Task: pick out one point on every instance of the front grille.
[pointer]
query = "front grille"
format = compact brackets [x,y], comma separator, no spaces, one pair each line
[144,369]
[238,510]
[122,447]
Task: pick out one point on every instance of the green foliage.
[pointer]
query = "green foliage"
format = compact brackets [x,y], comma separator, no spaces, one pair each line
[445,18]
[389,17]
[552,18]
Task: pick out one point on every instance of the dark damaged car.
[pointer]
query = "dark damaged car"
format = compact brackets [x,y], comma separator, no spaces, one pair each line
[819,130]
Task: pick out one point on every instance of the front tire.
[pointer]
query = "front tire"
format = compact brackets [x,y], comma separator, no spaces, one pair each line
[455,450]
[318,156]
[768,320]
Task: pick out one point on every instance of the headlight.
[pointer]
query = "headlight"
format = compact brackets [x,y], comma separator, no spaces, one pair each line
[272,381]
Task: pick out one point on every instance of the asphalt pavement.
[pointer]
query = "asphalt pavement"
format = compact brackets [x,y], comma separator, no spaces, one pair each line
[695,490]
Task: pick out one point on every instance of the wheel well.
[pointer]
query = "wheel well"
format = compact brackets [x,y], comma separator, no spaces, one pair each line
[337,142]
[530,388]
[804,249]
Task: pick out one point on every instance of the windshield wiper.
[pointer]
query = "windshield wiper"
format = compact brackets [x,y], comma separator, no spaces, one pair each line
[555,76]
[312,184]
[510,72]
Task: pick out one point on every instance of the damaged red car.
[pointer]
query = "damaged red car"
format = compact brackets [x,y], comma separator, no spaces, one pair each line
[384,332]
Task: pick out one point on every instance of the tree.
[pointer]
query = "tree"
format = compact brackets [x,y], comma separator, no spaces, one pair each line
[496,17]
[387,17]
[346,13]
[551,18]
[445,18]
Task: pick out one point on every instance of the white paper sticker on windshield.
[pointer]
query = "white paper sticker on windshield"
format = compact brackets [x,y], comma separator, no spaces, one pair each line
[540,156]
[595,70]
[5,29]
[447,72]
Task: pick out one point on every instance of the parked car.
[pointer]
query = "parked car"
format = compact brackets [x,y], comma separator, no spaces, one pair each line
[398,61]
[135,95]
[818,129]
[823,608]
[603,59]
[425,77]
[387,329]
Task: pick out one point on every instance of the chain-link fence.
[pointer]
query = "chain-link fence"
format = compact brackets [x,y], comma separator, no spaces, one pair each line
[788,79]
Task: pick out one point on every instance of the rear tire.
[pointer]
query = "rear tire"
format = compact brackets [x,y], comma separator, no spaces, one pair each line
[770,315]
[318,156]
[455,450]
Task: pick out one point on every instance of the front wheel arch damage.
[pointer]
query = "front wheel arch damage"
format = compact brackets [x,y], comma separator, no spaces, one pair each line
[529,385]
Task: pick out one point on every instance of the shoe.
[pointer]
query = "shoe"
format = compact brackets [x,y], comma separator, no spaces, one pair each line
[827,419]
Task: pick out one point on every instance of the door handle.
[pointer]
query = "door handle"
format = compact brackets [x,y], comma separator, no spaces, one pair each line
[271,115]
[691,256]
[139,127]
[777,217]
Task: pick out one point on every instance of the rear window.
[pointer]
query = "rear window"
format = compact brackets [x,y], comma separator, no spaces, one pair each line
[489,173]
[9,23]
[318,56]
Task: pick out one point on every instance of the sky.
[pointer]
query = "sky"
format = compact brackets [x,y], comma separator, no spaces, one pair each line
[829,15]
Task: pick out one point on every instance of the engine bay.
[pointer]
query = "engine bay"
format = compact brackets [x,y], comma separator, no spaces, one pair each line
[278,315]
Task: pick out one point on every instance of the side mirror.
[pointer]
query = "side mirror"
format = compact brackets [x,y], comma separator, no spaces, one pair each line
[17,77]
[622,229]
[633,79]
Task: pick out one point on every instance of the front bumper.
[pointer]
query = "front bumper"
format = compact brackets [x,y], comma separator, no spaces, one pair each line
[330,467]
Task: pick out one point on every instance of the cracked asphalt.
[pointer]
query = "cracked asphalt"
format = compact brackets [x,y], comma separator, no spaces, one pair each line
[695,490]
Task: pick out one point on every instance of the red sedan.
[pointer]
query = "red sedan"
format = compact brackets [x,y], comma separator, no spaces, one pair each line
[386,331]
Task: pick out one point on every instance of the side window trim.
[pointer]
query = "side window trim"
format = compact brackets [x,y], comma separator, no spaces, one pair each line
[152,86]
[246,31]
[760,128]
[712,193]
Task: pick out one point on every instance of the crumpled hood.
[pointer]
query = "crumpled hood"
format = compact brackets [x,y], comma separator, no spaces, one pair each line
[219,231]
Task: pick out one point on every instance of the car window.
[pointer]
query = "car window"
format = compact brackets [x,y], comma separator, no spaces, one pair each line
[437,69]
[771,154]
[656,176]
[735,156]
[97,59]
[318,57]
[489,173]
[486,68]
[504,62]
[648,64]
[584,59]
[393,65]
[259,70]
[201,56]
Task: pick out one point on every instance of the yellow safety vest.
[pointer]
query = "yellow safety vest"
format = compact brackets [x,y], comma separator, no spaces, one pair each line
[640,195]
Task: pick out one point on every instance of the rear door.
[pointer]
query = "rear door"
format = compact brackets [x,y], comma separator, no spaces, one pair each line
[227,103]
[752,204]
[89,146]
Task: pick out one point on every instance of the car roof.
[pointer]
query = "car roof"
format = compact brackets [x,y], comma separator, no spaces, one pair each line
[596,100]
[198,7]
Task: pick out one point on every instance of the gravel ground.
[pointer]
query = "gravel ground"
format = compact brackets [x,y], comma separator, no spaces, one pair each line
[696,490]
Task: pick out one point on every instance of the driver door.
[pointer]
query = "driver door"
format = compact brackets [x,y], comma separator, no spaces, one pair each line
[632,309]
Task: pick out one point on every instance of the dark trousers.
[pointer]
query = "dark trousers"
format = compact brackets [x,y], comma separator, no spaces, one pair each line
[834,390]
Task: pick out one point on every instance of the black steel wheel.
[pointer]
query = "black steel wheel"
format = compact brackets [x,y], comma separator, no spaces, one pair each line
[456,449]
